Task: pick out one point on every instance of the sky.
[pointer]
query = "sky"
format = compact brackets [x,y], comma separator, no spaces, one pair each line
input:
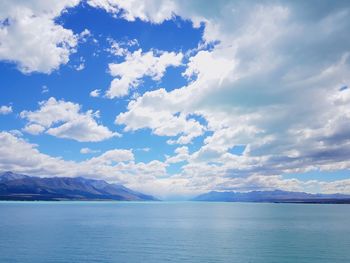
[177,98]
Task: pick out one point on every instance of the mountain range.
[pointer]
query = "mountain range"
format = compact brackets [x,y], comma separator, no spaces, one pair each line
[276,196]
[15,186]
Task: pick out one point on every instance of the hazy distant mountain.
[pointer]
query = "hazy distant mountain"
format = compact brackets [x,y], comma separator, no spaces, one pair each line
[22,187]
[277,196]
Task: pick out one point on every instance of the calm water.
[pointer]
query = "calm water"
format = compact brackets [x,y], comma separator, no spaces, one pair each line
[36,232]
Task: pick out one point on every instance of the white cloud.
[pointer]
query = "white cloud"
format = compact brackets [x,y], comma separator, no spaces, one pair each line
[163,122]
[80,67]
[16,133]
[22,24]
[181,155]
[112,156]
[84,35]
[150,11]
[263,85]
[88,151]
[116,48]
[138,65]
[207,66]
[44,89]
[85,129]
[95,93]
[116,165]
[34,129]
[65,120]
[145,149]
[81,64]
[4,110]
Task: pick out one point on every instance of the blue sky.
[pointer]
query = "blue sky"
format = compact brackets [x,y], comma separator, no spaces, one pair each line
[174,98]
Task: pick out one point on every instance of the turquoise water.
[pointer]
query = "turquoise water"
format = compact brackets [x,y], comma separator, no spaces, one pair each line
[77,232]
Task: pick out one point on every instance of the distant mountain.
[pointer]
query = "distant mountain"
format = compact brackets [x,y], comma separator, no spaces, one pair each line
[276,196]
[23,187]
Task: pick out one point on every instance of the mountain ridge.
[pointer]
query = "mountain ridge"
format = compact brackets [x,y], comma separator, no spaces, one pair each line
[14,186]
[274,196]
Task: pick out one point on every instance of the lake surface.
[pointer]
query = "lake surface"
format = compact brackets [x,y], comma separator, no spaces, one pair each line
[83,232]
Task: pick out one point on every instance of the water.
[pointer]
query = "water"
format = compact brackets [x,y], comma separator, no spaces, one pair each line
[83,232]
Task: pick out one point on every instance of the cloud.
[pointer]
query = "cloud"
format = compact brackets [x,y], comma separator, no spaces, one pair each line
[22,23]
[160,118]
[44,89]
[34,129]
[206,66]
[95,93]
[66,120]
[23,156]
[263,84]
[117,165]
[4,110]
[84,35]
[117,48]
[149,11]
[145,149]
[137,65]
[112,156]
[16,133]
[88,151]
[80,67]
[181,155]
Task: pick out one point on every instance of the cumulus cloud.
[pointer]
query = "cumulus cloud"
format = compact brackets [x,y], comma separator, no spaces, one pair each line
[162,120]
[95,93]
[181,154]
[84,35]
[112,156]
[117,49]
[34,129]
[264,84]
[118,165]
[4,110]
[21,22]
[138,65]
[149,11]
[66,120]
